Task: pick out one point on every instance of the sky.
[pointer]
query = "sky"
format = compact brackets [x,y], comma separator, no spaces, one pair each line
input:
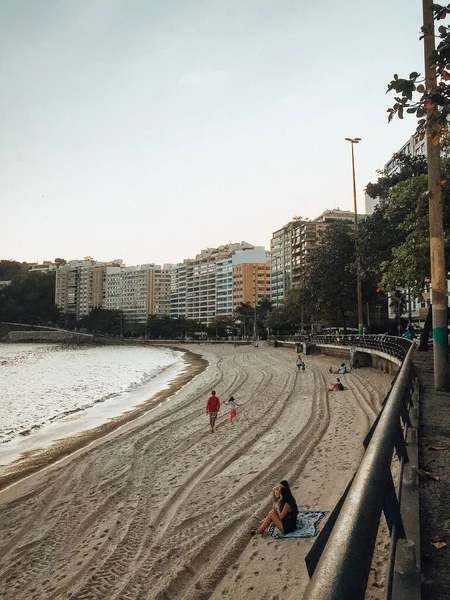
[149,130]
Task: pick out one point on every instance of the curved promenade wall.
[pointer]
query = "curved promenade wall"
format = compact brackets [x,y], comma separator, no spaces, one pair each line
[367,357]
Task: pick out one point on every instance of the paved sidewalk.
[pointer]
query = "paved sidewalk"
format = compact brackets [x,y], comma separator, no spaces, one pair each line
[434,458]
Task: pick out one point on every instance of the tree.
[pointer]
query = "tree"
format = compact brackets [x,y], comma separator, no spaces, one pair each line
[297,308]
[10,270]
[244,316]
[433,109]
[30,298]
[409,166]
[101,320]
[330,276]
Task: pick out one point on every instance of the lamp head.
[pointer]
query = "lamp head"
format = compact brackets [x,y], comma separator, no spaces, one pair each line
[353,140]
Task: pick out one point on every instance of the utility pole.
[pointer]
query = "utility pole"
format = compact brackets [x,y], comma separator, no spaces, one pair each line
[254,289]
[436,227]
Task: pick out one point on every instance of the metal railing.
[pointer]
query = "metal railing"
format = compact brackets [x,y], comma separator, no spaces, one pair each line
[340,560]
[388,344]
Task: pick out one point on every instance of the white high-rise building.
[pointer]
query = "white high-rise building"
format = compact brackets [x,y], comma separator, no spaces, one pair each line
[202,287]
[138,291]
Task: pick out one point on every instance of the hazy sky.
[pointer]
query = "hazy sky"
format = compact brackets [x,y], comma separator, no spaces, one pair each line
[149,129]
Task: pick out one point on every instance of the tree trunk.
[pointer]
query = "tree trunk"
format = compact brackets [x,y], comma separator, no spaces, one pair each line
[425,333]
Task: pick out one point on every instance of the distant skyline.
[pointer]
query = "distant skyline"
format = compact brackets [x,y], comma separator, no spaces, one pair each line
[148,130]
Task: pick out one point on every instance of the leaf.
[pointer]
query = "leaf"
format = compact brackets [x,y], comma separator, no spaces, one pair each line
[438,545]
[435,140]
[445,75]
[413,75]
[421,88]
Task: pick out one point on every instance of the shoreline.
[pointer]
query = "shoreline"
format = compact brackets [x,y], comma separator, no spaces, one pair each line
[32,461]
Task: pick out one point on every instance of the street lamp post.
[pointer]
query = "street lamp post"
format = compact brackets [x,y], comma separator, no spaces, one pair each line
[254,312]
[358,275]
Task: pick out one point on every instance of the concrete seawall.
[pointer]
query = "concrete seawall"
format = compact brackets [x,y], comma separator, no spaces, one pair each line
[56,336]
[366,357]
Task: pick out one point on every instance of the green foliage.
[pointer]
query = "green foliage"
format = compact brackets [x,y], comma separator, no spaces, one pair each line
[414,98]
[100,320]
[330,276]
[165,327]
[11,270]
[410,166]
[30,298]
[244,317]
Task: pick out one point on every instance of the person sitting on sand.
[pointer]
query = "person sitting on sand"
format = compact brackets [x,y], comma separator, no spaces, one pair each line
[342,370]
[283,513]
[337,387]
[276,490]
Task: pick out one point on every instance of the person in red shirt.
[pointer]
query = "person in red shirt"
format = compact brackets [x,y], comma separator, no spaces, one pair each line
[212,408]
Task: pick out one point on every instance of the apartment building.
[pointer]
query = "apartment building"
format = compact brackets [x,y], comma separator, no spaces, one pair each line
[202,302]
[178,290]
[138,291]
[415,146]
[203,288]
[291,245]
[304,238]
[251,277]
[45,267]
[281,261]
[73,287]
[241,277]
[159,287]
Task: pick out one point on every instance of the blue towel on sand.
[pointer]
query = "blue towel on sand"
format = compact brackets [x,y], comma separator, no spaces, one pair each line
[307,525]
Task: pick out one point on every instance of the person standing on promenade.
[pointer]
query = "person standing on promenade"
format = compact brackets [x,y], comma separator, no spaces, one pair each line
[212,408]
[232,404]
[298,362]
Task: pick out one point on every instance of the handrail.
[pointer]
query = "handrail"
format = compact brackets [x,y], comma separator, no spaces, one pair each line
[389,344]
[343,569]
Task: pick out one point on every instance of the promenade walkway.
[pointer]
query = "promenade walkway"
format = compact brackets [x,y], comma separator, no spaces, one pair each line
[434,461]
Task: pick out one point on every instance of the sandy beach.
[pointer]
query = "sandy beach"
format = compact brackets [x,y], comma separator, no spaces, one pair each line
[162,509]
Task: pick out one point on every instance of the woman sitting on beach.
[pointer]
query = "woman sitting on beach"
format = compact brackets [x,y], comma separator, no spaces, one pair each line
[337,387]
[284,512]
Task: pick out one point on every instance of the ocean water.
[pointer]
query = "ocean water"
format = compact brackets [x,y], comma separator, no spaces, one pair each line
[43,385]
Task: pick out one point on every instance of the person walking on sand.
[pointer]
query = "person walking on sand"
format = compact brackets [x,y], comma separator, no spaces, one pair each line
[298,362]
[233,413]
[212,408]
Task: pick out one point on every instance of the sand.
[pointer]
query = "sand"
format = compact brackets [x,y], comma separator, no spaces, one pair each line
[162,509]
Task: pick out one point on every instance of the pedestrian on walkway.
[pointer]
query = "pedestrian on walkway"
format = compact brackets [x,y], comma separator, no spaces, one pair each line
[212,408]
[233,412]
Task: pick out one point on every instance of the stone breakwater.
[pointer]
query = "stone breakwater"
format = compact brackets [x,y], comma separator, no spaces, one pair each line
[56,336]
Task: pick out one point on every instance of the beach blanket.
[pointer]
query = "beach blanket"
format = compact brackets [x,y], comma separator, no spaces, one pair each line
[307,525]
